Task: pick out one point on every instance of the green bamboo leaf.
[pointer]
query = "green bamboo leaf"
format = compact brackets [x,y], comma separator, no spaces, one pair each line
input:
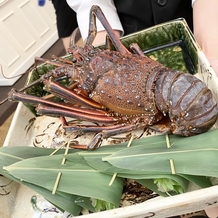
[10,155]
[64,201]
[201,181]
[204,162]
[76,178]
[86,203]
[204,149]
[94,160]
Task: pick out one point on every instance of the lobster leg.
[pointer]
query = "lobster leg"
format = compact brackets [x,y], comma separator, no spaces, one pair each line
[60,71]
[98,138]
[70,95]
[97,12]
[136,49]
[54,108]
[163,126]
[54,63]
[51,111]
[90,128]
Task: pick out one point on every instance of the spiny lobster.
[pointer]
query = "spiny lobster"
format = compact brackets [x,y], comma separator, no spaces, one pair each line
[124,91]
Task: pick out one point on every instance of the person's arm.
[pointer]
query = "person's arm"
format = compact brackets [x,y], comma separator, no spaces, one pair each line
[205,15]
[82,9]
[205,19]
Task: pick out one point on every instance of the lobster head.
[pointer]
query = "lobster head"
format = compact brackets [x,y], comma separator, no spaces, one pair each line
[90,64]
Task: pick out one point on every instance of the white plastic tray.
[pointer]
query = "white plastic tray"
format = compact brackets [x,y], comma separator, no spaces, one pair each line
[13,204]
[17,202]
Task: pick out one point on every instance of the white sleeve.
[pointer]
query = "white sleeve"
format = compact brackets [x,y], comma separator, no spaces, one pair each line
[193,2]
[82,8]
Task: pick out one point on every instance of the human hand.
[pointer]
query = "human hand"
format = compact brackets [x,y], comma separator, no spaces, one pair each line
[211,212]
[101,37]
[205,18]
[214,64]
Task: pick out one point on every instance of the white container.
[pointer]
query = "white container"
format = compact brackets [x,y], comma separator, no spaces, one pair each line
[195,200]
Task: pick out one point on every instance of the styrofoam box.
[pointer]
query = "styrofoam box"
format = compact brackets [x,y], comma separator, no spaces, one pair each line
[17,202]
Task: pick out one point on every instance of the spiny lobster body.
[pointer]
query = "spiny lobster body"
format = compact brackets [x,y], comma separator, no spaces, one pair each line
[122,83]
[123,91]
[139,87]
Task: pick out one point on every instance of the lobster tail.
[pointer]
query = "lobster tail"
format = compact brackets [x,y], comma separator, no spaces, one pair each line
[187,101]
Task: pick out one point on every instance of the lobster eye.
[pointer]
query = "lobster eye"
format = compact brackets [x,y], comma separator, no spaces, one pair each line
[91,53]
[74,60]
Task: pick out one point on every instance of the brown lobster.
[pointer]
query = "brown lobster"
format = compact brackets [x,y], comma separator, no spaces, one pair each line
[124,91]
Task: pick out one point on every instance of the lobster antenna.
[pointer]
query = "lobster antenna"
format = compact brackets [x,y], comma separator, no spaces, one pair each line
[97,12]
[23,89]
[2,72]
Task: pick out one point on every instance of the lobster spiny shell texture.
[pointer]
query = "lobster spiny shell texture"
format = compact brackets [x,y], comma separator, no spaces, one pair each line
[137,86]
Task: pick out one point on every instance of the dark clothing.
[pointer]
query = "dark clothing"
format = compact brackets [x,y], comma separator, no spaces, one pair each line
[136,15]
[66,18]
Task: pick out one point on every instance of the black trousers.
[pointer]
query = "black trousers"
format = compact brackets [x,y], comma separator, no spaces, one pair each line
[66,18]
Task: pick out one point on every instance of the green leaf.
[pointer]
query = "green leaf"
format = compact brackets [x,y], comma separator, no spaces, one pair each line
[76,178]
[86,203]
[201,181]
[102,205]
[85,175]
[94,160]
[149,183]
[10,155]
[156,159]
[168,185]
